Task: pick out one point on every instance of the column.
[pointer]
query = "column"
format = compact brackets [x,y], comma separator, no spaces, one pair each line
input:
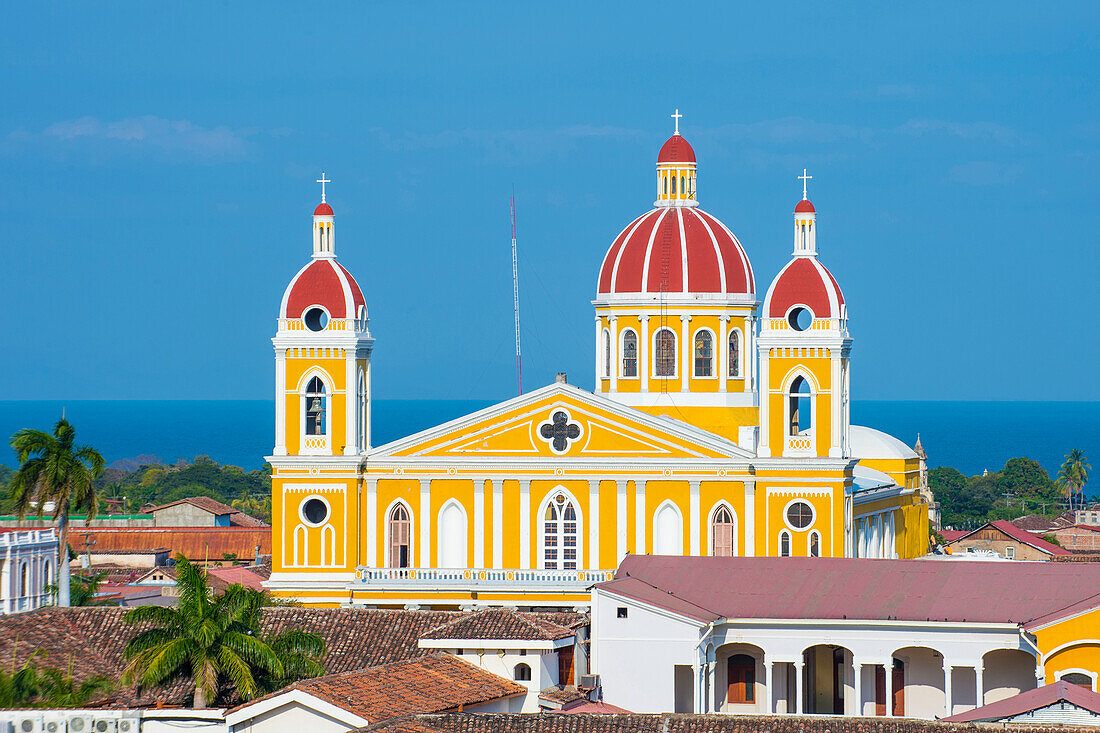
[280,402]
[599,355]
[479,524]
[370,532]
[748,351]
[620,522]
[524,524]
[351,405]
[979,684]
[694,523]
[424,547]
[768,686]
[593,525]
[498,523]
[639,517]
[614,354]
[643,351]
[798,687]
[686,350]
[750,517]
[857,668]
[947,687]
[888,674]
[763,442]
[697,703]
[724,353]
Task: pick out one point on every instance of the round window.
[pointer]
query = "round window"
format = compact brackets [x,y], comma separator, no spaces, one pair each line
[314,510]
[316,319]
[800,318]
[800,515]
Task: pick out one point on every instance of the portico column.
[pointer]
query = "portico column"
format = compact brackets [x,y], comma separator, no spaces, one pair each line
[643,355]
[947,687]
[798,687]
[767,685]
[857,667]
[979,685]
[888,675]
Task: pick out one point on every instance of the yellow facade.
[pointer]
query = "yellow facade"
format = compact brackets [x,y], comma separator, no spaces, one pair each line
[1070,645]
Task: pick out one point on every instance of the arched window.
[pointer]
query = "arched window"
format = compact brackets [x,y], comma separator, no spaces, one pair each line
[735,354]
[704,353]
[665,353]
[1077,678]
[722,533]
[815,544]
[25,580]
[784,544]
[666,184]
[559,535]
[800,410]
[668,531]
[315,408]
[452,537]
[400,532]
[682,189]
[521,673]
[630,353]
[47,575]
[741,679]
[606,354]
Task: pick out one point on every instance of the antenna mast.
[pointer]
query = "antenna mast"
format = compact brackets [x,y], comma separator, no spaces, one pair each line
[515,297]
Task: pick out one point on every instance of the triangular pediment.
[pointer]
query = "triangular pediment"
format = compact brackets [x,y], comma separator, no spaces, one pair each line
[562,422]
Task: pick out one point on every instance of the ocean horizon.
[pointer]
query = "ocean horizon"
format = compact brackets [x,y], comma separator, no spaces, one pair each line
[970,436]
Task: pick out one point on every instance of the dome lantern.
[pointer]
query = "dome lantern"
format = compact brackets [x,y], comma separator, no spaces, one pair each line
[676,170]
[805,230]
[324,233]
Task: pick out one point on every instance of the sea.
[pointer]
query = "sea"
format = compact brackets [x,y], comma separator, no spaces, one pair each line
[969,436]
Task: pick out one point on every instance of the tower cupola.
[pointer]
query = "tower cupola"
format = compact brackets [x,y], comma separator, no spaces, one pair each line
[805,228]
[324,233]
[676,171]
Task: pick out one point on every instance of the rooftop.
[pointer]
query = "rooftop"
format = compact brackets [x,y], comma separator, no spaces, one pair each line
[500,624]
[1025,702]
[1020,535]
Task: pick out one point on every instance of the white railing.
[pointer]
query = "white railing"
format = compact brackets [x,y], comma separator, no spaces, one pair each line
[469,577]
[798,445]
[28,536]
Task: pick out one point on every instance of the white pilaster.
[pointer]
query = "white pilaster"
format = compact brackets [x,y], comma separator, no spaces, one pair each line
[280,402]
[857,668]
[639,517]
[798,692]
[524,524]
[613,367]
[643,355]
[768,705]
[750,517]
[351,405]
[599,355]
[946,688]
[979,684]
[724,353]
[620,521]
[594,524]
[888,674]
[479,524]
[425,545]
[686,352]
[372,526]
[498,524]
[694,523]
[836,406]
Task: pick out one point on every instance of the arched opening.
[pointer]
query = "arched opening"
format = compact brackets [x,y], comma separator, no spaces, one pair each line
[315,407]
[704,353]
[521,672]
[400,534]
[735,354]
[738,679]
[630,353]
[917,684]
[828,678]
[664,352]
[722,533]
[800,407]
[606,354]
[784,543]
[452,537]
[668,530]
[815,544]
[559,534]
[25,580]
[1008,672]
[1077,678]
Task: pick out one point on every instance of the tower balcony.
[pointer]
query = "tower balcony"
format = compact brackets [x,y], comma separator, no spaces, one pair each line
[472,580]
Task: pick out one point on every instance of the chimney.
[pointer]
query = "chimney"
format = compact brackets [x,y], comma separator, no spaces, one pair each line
[559,378]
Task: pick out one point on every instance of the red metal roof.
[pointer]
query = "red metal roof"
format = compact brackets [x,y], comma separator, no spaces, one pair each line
[804,281]
[804,206]
[1025,702]
[676,150]
[710,588]
[326,283]
[322,210]
[1020,535]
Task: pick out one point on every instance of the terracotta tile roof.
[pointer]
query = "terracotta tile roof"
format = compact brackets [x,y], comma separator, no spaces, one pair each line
[678,723]
[202,502]
[429,684]
[499,623]
[196,543]
[240,519]
[709,588]
[222,578]
[563,695]
[94,639]
[1025,702]
[599,708]
[1020,535]
[1033,523]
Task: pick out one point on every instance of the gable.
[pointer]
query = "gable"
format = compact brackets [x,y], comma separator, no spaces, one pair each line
[561,422]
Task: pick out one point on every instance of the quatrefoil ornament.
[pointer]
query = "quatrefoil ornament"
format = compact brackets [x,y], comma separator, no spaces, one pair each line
[559,432]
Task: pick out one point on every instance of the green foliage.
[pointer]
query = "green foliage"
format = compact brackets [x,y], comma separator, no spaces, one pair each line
[249,491]
[83,590]
[215,642]
[52,468]
[1052,539]
[28,687]
[1026,479]
[20,688]
[1073,476]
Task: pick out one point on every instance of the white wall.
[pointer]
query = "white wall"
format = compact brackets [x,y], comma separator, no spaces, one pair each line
[292,717]
[544,671]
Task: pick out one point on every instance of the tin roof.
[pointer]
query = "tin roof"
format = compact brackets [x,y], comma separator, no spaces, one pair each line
[1025,702]
[196,543]
[1020,535]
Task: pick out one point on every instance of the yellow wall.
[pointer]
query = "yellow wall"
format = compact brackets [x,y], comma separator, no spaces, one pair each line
[1072,644]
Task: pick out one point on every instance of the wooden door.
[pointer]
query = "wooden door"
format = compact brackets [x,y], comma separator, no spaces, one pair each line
[565,665]
[899,688]
[880,690]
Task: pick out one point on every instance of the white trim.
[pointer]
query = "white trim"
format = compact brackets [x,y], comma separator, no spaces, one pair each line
[779,543]
[425,523]
[550,421]
[675,359]
[813,513]
[735,330]
[479,523]
[439,537]
[606,361]
[302,506]
[323,309]
[667,503]
[644,285]
[809,543]
[540,531]
[721,504]
[301,392]
[1077,670]
[252,710]
[1066,645]
[713,353]
[387,539]
[506,644]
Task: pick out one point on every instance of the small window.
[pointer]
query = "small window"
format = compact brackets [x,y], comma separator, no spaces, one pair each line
[316,319]
[522,672]
[800,318]
[630,353]
[665,353]
[784,544]
[1010,553]
[722,533]
[1077,678]
[735,354]
[621,612]
[400,533]
[559,539]
[800,411]
[704,354]
[315,407]
[314,511]
[606,354]
[815,544]
[800,515]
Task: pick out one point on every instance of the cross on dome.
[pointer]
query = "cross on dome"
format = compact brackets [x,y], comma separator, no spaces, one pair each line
[804,178]
[322,180]
[676,117]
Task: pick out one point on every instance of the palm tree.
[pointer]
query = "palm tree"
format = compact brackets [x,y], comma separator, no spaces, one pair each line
[57,688]
[52,468]
[209,639]
[299,651]
[22,686]
[1073,475]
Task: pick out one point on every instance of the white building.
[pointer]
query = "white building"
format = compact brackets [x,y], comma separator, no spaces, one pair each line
[28,564]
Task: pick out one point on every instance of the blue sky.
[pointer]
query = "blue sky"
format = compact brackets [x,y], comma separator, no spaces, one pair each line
[157,165]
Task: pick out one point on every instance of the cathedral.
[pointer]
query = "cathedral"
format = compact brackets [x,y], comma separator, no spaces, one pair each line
[719,426]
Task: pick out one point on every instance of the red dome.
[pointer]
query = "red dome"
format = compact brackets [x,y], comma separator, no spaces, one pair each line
[326,283]
[677,249]
[676,150]
[806,282]
[804,207]
[322,210]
